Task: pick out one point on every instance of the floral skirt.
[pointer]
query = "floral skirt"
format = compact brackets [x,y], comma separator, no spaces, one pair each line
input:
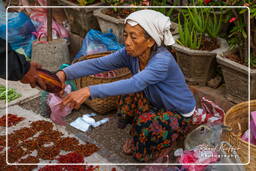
[152,130]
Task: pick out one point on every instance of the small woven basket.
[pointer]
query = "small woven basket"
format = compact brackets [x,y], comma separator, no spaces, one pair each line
[237,119]
[101,105]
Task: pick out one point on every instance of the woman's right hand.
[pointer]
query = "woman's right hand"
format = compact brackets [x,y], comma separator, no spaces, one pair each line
[62,76]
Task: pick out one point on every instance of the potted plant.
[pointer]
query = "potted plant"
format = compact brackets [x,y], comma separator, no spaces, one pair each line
[198,44]
[235,63]
[81,19]
[113,18]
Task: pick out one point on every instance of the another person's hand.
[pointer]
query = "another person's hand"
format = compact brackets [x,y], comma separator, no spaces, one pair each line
[62,76]
[76,98]
[32,78]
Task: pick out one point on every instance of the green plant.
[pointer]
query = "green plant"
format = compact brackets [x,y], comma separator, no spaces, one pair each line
[85,2]
[188,34]
[197,24]
[166,11]
[214,25]
[199,17]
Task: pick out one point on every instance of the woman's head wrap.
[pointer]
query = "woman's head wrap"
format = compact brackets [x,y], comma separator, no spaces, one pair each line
[154,23]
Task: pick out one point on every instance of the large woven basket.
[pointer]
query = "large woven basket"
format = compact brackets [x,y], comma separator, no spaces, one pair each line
[101,105]
[237,119]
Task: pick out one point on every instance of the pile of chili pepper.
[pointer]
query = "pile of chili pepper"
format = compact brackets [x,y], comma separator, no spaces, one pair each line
[29,159]
[48,144]
[41,125]
[72,157]
[12,120]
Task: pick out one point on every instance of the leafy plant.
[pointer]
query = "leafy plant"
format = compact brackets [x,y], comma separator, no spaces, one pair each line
[85,2]
[188,35]
[197,24]
[214,25]
[199,17]
[166,11]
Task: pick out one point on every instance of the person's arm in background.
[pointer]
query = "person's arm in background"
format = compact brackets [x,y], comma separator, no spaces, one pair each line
[18,67]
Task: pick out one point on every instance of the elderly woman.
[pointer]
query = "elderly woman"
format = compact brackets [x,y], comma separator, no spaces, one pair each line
[156,99]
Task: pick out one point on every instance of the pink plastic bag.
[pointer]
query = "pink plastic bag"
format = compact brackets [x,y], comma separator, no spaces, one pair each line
[200,155]
[39,15]
[58,114]
[253,124]
[210,113]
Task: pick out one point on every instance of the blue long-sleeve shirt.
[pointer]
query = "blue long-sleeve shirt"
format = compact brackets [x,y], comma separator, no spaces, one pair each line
[161,80]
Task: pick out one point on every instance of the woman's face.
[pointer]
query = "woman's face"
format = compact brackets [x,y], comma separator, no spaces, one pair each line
[135,42]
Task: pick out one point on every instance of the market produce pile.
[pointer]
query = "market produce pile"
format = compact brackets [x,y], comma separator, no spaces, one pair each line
[11,93]
[40,142]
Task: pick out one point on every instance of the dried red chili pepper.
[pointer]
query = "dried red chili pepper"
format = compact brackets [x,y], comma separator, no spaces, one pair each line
[91,168]
[12,120]
[72,157]
[12,140]
[87,149]
[67,143]
[24,133]
[30,145]
[49,136]
[11,168]
[51,168]
[29,159]
[2,140]
[42,125]
[15,153]
[48,153]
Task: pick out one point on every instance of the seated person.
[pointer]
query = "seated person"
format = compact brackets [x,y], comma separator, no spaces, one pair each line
[156,99]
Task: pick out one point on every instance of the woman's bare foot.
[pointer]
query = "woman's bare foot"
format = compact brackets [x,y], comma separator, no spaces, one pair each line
[127,147]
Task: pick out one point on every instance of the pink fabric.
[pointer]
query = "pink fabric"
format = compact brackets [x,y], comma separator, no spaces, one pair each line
[210,114]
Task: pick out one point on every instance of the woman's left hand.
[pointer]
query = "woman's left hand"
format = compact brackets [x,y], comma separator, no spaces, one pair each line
[76,98]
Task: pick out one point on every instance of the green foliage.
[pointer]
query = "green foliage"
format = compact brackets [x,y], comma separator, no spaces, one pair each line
[112,2]
[188,35]
[85,2]
[166,11]
[197,22]
[214,25]
[199,17]
[252,61]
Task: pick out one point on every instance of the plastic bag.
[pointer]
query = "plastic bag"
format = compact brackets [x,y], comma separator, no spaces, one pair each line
[58,114]
[210,113]
[20,29]
[96,41]
[201,154]
[39,18]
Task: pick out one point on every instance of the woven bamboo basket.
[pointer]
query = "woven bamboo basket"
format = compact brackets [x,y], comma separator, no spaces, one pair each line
[237,119]
[101,105]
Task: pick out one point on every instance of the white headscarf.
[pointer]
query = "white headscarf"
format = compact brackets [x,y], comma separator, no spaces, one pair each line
[154,23]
